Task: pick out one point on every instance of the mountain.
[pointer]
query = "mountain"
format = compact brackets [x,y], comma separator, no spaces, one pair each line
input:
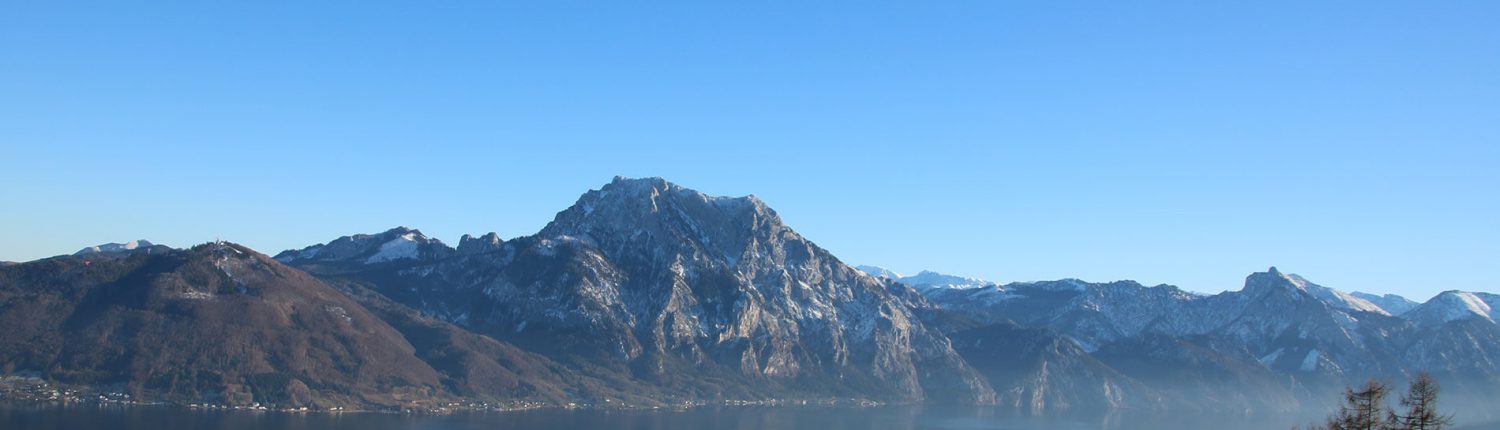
[1191,376]
[1450,306]
[222,324]
[1334,297]
[1390,303]
[1295,326]
[1091,314]
[702,296]
[397,245]
[1282,339]
[645,293]
[1457,338]
[1037,371]
[1096,314]
[127,247]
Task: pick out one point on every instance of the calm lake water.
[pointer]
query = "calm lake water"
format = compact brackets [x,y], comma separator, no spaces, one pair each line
[27,417]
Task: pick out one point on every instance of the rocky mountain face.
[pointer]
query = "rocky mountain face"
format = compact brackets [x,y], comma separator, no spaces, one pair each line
[704,296]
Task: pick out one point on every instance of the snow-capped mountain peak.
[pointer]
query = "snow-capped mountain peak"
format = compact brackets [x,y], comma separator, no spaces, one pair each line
[401,247]
[1274,280]
[1456,305]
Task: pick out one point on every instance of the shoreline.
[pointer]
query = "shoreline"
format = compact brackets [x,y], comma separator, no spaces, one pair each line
[34,391]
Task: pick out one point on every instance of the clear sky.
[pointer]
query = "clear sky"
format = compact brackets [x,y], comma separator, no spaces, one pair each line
[1191,143]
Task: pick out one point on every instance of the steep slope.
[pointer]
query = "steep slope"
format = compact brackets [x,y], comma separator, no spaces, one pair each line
[706,297]
[223,324]
[1285,322]
[1464,355]
[1192,376]
[479,367]
[1332,297]
[1036,371]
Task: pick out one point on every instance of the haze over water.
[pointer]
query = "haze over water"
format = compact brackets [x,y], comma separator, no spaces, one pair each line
[720,418]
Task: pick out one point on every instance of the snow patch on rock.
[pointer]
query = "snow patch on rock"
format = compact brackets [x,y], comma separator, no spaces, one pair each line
[402,247]
[1310,362]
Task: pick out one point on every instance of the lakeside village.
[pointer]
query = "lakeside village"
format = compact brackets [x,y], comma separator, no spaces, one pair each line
[34,390]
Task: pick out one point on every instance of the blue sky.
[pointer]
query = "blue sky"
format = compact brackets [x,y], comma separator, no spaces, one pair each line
[1188,143]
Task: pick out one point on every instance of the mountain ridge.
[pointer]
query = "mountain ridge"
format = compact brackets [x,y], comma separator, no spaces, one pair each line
[645,292]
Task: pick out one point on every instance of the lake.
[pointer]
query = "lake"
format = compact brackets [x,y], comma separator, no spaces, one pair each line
[26,417]
[33,417]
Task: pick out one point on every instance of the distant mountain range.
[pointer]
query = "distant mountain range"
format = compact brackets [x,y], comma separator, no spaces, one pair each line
[926,279]
[1281,341]
[645,293]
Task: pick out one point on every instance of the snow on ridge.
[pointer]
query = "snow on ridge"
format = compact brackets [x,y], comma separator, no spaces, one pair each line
[116,247]
[1340,298]
[1474,304]
[1332,297]
[1391,303]
[1298,281]
[402,247]
[1452,306]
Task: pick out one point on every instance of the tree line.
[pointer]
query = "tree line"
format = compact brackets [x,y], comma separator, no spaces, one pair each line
[1364,408]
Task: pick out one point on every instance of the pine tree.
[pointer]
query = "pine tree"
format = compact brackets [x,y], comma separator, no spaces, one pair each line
[1364,409]
[1420,402]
